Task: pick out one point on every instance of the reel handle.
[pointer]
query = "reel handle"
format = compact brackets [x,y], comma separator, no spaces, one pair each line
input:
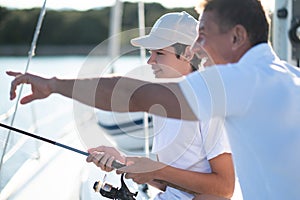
[116,165]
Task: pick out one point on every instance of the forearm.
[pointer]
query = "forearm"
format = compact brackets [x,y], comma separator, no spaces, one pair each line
[61,86]
[201,183]
[94,92]
[123,94]
[165,100]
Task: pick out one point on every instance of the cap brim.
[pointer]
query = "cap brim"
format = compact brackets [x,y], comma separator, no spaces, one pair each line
[151,42]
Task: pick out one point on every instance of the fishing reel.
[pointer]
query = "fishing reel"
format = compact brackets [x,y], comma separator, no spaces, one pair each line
[111,192]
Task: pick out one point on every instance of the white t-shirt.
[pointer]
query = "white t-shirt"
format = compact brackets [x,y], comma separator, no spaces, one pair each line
[259,98]
[181,144]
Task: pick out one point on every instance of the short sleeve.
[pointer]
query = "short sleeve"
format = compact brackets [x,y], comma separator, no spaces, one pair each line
[215,140]
[216,91]
[205,93]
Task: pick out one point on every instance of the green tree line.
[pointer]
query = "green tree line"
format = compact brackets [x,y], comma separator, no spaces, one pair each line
[70,27]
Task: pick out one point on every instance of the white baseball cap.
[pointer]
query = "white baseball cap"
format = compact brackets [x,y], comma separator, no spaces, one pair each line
[171,28]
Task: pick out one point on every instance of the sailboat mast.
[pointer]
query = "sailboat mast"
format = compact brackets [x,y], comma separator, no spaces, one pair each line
[282,17]
[114,31]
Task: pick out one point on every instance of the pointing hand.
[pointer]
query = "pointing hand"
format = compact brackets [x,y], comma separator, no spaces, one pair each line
[40,87]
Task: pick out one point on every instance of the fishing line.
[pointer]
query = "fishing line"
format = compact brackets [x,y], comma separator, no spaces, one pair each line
[31,53]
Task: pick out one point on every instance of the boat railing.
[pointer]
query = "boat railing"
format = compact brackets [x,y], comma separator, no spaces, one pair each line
[5,116]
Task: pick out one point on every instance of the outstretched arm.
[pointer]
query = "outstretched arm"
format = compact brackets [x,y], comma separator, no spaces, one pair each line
[119,94]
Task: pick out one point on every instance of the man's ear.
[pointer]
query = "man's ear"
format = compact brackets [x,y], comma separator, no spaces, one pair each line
[239,37]
[188,54]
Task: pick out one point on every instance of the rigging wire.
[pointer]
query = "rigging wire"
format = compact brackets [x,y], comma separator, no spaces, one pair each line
[141,17]
[31,53]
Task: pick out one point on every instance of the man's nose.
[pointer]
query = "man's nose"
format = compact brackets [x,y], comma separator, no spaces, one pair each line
[196,46]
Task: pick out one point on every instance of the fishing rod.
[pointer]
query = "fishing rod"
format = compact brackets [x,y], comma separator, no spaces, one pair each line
[115,164]
[106,190]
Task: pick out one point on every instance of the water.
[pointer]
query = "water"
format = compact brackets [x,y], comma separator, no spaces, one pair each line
[52,115]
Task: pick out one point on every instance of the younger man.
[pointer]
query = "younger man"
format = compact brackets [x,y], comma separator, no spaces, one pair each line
[188,158]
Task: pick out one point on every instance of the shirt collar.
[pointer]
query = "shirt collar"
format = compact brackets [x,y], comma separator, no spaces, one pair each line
[261,51]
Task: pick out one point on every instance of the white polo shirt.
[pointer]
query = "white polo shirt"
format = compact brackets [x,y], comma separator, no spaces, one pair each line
[259,97]
[186,145]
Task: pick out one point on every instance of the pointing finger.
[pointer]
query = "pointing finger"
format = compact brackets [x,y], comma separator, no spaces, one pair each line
[11,73]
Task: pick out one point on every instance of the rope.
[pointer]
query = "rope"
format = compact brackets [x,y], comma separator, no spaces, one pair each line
[31,53]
